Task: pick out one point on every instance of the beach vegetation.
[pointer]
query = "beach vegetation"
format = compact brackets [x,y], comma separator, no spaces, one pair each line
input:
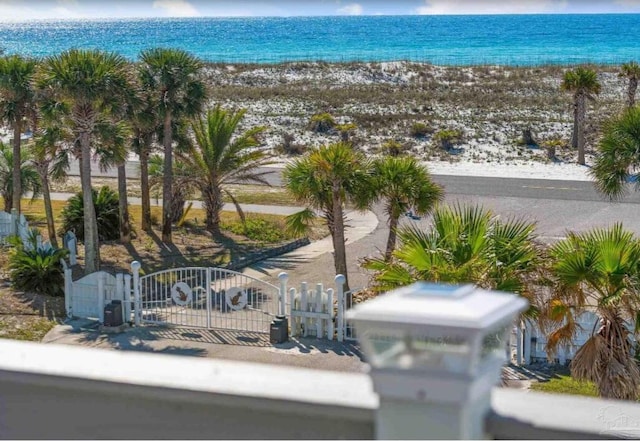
[36,269]
[105,202]
[448,138]
[325,180]
[403,186]
[597,271]
[18,109]
[392,147]
[584,85]
[175,76]
[88,92]
[420,130]
[322,123]
[464,244]
[28,175]
[631,71]
[289,147]
[618,161]
[346,130]
[222,156]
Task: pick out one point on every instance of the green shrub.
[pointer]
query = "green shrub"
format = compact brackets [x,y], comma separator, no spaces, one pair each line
[288,147]
[258,229]
[448,138]
[322,122]
[393,148]
[420,130]
[37,271]
[107,213]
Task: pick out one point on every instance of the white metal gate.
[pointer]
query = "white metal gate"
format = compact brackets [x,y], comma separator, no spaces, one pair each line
[206,298]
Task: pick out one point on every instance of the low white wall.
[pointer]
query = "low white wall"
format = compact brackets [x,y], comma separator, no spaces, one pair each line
[65,392]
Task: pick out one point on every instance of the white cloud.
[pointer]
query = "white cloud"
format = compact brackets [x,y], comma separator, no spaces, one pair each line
[351,9]
[448,7]
[176,8]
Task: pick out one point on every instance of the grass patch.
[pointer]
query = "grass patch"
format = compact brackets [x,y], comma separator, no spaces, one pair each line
[29,330]
[565,384]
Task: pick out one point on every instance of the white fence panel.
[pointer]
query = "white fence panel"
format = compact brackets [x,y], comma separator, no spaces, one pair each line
[85,299]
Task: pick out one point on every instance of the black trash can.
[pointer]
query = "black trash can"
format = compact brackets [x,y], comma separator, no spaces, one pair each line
[279,330]
[113,313]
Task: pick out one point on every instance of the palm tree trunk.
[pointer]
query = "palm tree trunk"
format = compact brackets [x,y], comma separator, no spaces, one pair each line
[48,208]
[212,198]
[91,242]
[340,252]
[581,115]
[167,180]
[7,202]
[391,240]
[17,163]
[123,205]
[631,91]
[144,185]
[574,133]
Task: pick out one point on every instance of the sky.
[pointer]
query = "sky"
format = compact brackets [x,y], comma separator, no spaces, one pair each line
[60,9]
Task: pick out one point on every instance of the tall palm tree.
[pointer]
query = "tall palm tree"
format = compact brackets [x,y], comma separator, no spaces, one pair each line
[174,75]
[584,84]
[597,271]
[90,89]
[17,103]
[183,188]
[327,178]
[619,158]
[144,121]
[404,185]
[631,71]
[220,157]
[48,145]
[464,244]
[28,177]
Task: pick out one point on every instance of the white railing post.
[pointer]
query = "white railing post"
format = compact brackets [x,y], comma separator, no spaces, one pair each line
[73,246]
[101,293]
[68,289]
[293,320]
[304,307]
[119,294]
[14,222]
[135,270]
[319,309]
[340,280]
[330,328]
[283,277]
[127,298]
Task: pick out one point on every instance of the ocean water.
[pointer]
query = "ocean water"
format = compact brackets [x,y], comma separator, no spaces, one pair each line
[448,40]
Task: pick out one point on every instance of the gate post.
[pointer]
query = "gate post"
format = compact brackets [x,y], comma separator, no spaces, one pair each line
[127,298]
[101,280]
[68,288]
[340,279]
[282,307]
[209,294]
[135,269]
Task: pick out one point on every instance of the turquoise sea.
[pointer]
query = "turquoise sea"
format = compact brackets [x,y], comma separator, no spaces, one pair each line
[451,40]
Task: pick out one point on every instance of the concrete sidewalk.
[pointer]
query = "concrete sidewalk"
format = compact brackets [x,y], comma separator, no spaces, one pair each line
[214,343]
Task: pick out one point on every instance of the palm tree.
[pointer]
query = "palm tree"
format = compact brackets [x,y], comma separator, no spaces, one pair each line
[219,158]
[619,158]
[48,145]
[327,178]
[465,244]
[184,184]
[28,177]
[404,185]
[145,123]
[631,71]
[17,102]
[173,74]
[90,89]
[597,271]
[584,84]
